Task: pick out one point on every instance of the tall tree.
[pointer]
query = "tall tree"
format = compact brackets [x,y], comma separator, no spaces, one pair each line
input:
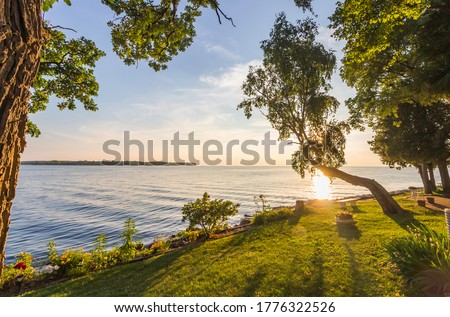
[291,90]
[30,48]
[417,135]
[396,51]
[21,32]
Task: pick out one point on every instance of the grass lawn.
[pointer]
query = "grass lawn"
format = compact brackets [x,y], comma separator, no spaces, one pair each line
[307,255]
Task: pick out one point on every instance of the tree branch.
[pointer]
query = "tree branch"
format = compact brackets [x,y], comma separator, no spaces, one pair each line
[220,13]
[61,27]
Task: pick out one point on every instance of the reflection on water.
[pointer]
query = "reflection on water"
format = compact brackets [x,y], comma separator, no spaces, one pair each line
[322,188]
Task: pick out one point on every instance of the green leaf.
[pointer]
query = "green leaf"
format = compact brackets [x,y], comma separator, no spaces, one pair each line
[48,4]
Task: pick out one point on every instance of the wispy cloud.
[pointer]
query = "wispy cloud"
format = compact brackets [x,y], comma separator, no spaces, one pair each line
[221,51]
[231,78]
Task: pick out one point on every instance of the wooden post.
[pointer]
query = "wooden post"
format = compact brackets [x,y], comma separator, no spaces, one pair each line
[447,219]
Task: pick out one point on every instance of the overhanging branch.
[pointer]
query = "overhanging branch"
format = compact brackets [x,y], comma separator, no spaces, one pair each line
[220,13]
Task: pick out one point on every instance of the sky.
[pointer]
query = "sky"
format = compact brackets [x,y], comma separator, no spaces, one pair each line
[197,95]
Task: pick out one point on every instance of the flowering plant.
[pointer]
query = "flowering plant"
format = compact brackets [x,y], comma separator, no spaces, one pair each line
[344,215]
[70,262]
[20,266]
[20,271]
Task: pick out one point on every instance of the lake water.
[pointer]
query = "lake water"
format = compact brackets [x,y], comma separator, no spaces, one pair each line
[74,204]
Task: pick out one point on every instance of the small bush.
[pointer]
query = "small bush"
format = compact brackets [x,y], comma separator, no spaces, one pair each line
[160,245]
[128,247]
[422,249]
[262,204]
[189,235]
[21,271]
[434,281]
[99,258]
[208,214]
[272,215]
[71,262]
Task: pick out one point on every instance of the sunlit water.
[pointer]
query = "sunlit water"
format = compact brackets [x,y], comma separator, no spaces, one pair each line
[74,204]
[322,188]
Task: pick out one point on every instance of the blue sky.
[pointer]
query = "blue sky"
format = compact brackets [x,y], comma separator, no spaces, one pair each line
[199,92]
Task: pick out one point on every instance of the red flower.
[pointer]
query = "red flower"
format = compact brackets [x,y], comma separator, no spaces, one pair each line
[20,266]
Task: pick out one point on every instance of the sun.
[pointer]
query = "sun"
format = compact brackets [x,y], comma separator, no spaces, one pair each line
[321,186]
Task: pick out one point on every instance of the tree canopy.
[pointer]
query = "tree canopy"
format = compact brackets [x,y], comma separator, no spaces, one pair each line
[415,135]
[67,72]
[153,31]
[396,52]
[291,90]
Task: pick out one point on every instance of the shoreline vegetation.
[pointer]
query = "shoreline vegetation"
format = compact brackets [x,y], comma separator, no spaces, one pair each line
[279,252]
[107,163]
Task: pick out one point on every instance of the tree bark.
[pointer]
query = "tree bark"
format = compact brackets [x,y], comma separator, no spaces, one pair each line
[432,179]
[445,178]
[423,170]
[20,45]
[387,203]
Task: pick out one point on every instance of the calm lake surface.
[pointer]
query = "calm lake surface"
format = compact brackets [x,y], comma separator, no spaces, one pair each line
[74,204]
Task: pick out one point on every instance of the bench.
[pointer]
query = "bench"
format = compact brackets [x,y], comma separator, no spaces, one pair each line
[414,191]
[352,201]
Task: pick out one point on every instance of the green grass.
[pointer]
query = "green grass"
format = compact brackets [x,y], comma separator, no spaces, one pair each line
[307,255]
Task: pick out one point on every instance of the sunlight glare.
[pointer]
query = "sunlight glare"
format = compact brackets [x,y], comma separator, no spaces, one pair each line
[321,186]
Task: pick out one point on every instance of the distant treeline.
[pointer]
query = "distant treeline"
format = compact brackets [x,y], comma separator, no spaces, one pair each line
[114,163]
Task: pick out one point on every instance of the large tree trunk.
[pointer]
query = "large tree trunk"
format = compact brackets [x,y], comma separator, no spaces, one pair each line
[387,203]
[20,45]
[423,171]
[445,178]
[432,179]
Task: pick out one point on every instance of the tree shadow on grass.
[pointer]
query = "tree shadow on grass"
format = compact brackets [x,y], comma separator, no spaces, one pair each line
[295,218]
[234,242]
[359,279]
[348,231]
[404,220]
[297,215]
[254,283]
[316,280]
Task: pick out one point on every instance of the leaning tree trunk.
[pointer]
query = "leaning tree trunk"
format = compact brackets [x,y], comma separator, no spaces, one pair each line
[445,178]
[20,45]
[432,179]
[387,203]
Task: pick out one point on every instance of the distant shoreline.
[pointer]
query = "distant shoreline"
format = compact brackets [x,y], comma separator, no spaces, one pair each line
[107,163]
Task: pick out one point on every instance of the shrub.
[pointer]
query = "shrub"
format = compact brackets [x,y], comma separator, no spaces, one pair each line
[160,245]
[70,262]
[422,249]
[189,235]
[208,214]
[434,281]
[99,258]
[128,248]
[52,252]
[20,271]
[272,215]
[262,204]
